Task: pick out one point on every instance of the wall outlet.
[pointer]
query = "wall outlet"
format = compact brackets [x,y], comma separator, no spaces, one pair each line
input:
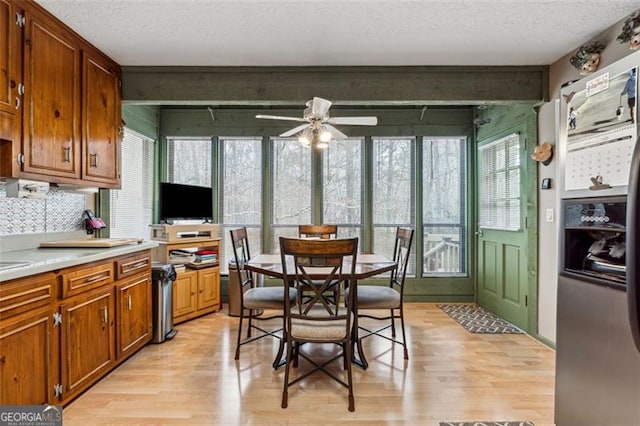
[549,215]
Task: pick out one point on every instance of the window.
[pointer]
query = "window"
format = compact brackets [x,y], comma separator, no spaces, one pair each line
[291,188]
[241,186]
[443,205]
[499,186]
[131,206]
[342,187]
[189,161]
[393,183]
[368,187]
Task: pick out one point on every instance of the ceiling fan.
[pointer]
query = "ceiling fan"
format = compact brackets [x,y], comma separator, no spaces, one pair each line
[318,130]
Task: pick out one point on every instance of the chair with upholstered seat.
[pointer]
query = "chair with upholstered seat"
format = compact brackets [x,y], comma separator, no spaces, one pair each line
[372,297]
[254,300]
[317,319]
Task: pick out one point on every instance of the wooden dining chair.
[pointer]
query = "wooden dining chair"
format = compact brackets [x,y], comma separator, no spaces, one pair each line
[323,232]
[254,300]
[372,297]
[317,319]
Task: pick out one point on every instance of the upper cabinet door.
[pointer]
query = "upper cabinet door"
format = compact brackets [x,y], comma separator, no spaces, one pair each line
[51,140]
[10,71]
[101,108]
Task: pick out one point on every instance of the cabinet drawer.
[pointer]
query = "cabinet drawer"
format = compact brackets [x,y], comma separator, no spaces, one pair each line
[26,294]
[132,265]
[87,278]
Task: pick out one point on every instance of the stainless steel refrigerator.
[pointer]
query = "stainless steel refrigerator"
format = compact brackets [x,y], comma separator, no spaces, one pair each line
[598,331]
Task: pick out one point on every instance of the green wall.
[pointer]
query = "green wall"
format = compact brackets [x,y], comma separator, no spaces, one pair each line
[395,94]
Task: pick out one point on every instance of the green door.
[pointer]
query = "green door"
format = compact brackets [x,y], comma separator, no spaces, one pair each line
[502,284]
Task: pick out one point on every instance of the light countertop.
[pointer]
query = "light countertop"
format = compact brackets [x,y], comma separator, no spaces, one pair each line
[49,259]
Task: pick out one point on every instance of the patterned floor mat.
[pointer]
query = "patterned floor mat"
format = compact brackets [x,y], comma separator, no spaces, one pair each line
[486,424]
[478,320]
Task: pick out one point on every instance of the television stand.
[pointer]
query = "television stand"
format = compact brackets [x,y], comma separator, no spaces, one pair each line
[196,289]
[184,233]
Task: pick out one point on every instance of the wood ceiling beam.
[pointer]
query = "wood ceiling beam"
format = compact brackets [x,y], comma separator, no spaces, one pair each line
[411,85]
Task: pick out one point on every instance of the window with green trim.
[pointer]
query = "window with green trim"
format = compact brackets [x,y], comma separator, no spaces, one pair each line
[444,195]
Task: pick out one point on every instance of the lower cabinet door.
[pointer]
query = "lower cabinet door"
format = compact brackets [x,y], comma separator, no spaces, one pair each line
[208,288]
[27,369]
[134,314]
[184,295]
[87,341]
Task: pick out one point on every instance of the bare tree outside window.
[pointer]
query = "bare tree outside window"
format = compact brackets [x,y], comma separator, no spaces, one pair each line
[190,161]
[444,205]
[241,185]
[393,183]
[291,188]
[342,186]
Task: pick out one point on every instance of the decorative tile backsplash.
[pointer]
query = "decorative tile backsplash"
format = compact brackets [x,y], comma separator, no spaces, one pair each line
[60,211]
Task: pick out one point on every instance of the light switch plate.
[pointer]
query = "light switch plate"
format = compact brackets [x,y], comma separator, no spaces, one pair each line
[549,215]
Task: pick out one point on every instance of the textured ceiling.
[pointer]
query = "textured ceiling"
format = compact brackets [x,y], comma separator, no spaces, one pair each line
[347,32]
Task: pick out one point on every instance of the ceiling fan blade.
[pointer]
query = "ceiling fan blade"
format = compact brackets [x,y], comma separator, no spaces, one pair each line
[335,133]
[279,117]
[294,131]
[320,107]
[354,121]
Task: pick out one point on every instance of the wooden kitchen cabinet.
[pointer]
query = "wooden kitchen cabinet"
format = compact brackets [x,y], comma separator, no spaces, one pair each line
[60,102]
[184,298]
[208,288]
[62,331]
[28,341]
[51,138]
[101,120]
[10,77]
[88,340]
[196,292]
[134,314]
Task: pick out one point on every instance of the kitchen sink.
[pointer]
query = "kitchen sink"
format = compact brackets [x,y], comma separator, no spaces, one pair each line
[10,265]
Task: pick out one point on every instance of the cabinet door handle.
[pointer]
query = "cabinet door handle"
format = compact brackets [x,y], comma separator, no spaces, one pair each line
[129,302]
[105,314]
[138,265]
[67,154]
[17,102]
[95,278]
[93,160]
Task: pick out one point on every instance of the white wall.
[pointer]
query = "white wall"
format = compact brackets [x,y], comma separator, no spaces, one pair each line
[548,120]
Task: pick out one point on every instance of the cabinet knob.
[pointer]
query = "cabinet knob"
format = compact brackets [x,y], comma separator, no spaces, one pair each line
[17,102]
[56,113]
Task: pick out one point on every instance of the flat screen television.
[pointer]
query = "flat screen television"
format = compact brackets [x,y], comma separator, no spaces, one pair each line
[178,201]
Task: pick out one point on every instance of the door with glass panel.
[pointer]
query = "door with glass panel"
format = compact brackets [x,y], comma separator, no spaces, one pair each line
[502,285]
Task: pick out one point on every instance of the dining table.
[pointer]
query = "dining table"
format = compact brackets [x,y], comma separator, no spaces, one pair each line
[368,265]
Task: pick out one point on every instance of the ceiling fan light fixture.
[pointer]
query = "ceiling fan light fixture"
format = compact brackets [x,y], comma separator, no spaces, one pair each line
[306,137]
[322,144]
[325,136]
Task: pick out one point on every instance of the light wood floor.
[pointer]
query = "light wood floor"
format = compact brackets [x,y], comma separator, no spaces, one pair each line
[452,375]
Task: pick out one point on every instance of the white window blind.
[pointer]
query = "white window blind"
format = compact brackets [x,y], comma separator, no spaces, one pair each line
[499,163]
[131,206]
